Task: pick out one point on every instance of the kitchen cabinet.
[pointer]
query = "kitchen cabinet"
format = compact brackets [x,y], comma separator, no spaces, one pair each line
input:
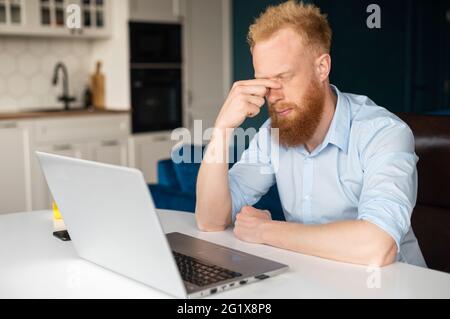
[15,184]
[147,149]
[110,151]
[12,13]
[50,17]
[95,18]
[41,197]
[155,10]
[97,138]
[101,138]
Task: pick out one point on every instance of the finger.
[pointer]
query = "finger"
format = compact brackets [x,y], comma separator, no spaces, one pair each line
[267,213]
[242,220]
[240,217]
[245,209]
[264,82]
[243,226]
[238,233]
[252,110]
[255,100]
[251,211]
[258,90]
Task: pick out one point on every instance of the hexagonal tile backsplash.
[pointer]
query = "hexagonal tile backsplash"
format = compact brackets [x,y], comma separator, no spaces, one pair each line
[26,70]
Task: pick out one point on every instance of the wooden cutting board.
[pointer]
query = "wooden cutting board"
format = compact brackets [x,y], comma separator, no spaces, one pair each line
[98,87]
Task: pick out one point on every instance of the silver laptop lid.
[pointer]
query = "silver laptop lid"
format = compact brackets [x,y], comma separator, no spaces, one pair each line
[112,221]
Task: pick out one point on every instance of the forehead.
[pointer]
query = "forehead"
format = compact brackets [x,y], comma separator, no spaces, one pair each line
[282,52]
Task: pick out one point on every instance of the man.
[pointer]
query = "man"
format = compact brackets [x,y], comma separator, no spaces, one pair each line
[346,168]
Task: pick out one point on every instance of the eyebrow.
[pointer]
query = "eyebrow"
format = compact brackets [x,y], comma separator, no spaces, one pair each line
[275,76]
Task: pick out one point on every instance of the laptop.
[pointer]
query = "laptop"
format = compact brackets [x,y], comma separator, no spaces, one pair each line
[112,221]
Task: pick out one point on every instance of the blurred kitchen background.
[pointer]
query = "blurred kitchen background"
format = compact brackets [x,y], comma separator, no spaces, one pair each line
[166,63]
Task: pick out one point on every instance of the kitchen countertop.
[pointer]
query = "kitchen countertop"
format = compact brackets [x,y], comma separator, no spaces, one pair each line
[56,113]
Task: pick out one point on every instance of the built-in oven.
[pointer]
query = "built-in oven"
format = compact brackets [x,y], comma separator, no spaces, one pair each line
[156,73]
[156,97]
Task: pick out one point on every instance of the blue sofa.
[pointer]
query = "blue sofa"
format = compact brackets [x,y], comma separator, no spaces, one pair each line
[177,184]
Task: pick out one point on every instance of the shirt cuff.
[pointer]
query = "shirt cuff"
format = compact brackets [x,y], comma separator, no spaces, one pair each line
[387,223]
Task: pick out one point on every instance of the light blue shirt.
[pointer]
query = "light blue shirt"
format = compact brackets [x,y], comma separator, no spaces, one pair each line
[365,169]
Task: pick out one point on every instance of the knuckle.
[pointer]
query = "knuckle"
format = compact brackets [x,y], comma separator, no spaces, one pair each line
[263,90]
[238,89]
[236,84]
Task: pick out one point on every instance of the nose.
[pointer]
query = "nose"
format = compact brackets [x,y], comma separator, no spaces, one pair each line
[274,95]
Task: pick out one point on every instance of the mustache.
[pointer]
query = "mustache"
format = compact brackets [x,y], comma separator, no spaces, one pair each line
[282,106]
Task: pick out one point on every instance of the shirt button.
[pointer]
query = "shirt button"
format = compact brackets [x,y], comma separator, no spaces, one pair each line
[307,197]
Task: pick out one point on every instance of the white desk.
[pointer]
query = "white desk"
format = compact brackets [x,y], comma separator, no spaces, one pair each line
[34,264]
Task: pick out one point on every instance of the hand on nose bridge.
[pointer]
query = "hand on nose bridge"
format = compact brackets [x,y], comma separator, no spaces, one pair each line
[274,94]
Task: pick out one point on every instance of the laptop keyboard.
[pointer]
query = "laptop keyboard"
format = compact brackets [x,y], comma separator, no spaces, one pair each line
[198,273]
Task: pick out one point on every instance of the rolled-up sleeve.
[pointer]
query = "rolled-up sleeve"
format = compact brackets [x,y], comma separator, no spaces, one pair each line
[389,190]
[253,175]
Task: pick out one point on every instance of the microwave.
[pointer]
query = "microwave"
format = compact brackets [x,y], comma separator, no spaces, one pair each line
[155,43]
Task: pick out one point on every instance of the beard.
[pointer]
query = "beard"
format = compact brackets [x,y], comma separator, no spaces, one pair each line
[299,126]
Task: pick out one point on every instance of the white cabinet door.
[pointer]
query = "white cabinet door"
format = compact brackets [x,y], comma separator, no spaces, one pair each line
[12,13]
[50,17]
[15,189]
[96,18]
[146,150]
[110,152]
[208,58]
[154,10]
[41,194]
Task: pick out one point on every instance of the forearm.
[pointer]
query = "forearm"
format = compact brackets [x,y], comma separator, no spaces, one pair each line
[213,208]
[356,241]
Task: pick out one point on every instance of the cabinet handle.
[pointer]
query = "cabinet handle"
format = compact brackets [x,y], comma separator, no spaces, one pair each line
[110,143]
[62,147]
[160,139]
[8,125]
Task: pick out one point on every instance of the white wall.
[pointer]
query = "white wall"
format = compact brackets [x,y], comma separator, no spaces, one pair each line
[114,53]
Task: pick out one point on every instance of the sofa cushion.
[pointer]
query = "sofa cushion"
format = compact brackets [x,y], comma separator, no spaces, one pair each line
[187,176]
[166,174]
[167,198]
[432,138]
[431,227]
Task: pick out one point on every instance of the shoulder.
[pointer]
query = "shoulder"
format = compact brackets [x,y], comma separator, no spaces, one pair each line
[375,129]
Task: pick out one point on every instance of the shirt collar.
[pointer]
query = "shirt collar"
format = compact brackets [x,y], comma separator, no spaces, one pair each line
[339,131]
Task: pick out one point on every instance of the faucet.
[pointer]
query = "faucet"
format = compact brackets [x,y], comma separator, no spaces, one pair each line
[65,98]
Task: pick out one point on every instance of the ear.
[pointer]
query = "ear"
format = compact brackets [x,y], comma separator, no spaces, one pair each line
[323,67]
